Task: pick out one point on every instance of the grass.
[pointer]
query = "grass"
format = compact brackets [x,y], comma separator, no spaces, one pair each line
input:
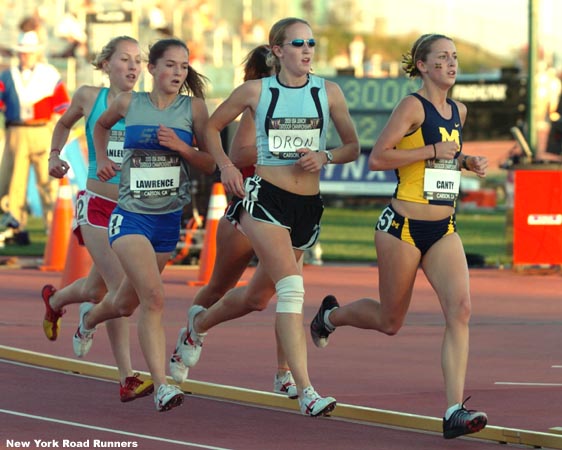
[347,236]
[37,237]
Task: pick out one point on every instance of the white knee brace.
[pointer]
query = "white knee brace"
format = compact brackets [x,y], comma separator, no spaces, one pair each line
[290,294]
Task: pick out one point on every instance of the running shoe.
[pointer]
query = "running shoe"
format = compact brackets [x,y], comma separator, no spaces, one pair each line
[464,421]
[313,405]
[82,339]
[52,318]
[135,388]
[178,369]
[191,346]
[167,397]
[285,385]
[319,330]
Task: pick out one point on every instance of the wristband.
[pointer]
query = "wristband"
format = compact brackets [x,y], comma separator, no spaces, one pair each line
[464,164]
[55,150]
[434,151]
[225,166]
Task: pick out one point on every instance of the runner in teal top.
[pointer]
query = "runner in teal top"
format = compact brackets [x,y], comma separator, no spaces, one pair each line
[120,60]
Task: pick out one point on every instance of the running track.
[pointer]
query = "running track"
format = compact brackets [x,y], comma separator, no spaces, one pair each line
[515,372]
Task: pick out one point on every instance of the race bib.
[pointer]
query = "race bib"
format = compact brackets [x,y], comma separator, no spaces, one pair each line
[115,146]
[155,175]
[285,136]
[442,180]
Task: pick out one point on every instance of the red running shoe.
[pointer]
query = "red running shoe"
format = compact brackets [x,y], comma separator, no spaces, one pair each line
[51,320]
[135,388]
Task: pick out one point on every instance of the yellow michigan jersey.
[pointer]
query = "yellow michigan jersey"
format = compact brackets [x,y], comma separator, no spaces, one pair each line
[434,129]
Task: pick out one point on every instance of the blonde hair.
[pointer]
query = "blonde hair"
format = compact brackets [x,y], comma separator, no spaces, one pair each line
[109,49]
[277,35]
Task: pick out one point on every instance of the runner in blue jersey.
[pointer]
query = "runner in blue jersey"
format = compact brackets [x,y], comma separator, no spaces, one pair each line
[162,128]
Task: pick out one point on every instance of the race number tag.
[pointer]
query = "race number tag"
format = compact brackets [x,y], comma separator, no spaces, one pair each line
[155,175]
[115,146]
[442,181]
[288,135]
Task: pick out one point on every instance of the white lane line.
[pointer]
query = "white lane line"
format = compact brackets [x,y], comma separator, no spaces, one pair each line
[515,383]
[557,367]
[110,430]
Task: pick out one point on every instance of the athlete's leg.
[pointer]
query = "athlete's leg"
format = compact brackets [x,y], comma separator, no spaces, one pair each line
[143,274]
[109,267]
[446,269]
[234,252]
[398,263]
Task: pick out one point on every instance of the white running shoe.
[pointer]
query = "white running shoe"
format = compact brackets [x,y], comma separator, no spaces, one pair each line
[83,339]
[178,369]
[313,405]
[167,397]
[285,385]
[190,348]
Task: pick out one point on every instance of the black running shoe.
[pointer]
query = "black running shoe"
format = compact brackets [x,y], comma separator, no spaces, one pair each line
[464,421]
[318,328]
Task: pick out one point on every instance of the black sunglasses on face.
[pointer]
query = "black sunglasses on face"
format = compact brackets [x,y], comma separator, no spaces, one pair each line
[301,42]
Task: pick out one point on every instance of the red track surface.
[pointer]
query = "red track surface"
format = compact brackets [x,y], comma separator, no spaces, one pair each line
[516,334]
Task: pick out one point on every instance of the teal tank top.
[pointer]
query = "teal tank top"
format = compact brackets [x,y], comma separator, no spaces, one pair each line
[289,118]
[154,179]
[116,138]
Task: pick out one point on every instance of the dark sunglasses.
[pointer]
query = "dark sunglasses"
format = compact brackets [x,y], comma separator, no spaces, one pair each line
[300,42]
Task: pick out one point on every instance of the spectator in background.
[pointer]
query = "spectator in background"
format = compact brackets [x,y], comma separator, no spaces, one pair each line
[34,23]
[71,30]
[548,90]
[554,140]
[32,94]
[357,55]
[157,21]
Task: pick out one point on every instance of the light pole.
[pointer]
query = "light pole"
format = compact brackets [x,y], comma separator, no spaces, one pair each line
[531,79]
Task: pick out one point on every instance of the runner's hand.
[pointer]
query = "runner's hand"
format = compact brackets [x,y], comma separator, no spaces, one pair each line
[311,161]
[232,180]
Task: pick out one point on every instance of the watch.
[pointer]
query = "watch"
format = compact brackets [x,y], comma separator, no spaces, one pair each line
[329,156]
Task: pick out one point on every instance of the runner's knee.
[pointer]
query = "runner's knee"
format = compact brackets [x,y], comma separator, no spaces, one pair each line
[290,294]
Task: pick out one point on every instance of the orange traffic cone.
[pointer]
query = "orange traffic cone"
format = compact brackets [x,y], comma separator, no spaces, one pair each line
[78,262]
[217,205]
[57,244]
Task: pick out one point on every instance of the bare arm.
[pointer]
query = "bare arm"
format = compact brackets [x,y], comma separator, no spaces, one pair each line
[339,113]
[242,98]
[243,152]
[199,159]
[476,164]
[115,112]
[79,107]
[406,118]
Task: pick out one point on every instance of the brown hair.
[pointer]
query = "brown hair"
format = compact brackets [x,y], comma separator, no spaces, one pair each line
[419,52]
[255,63]
[195,83]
